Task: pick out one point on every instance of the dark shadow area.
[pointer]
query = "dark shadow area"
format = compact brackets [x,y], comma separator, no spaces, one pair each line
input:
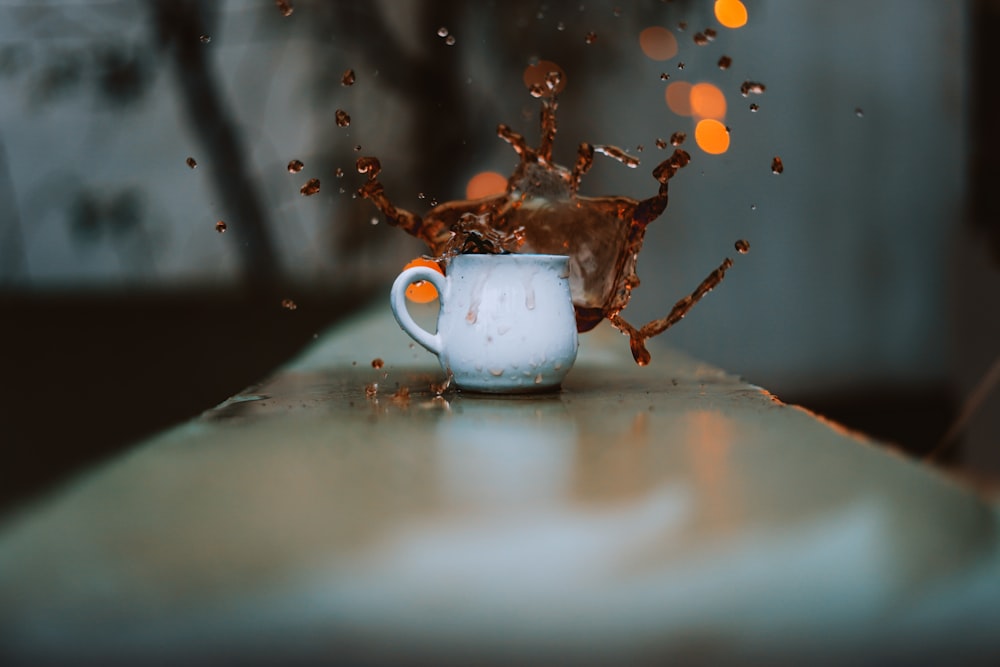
[911,418]
[87,375]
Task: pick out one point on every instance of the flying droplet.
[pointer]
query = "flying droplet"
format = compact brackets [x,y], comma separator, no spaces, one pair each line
[590,37]
[677,138]
[661,144]
[442,32]
[859,112]
[560,26]
[288,304]
[310,188]
[377,363]
[777,166]
[348,78]
[680,65]
[221,227]
[205,39]
[639,148]
[373,221]
[754,107]
[295,166]
[710,34]
[191,162]
[753,207]
[617,11]
[371,390]
[450,41]
[338,172]
[742,246]
[752,87]
[682,26]
[700,39]
[357,149]
[285,7]
[370,166]
[725,62]
[343,120]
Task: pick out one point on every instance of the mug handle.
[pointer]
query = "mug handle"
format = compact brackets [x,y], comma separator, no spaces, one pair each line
[398,303]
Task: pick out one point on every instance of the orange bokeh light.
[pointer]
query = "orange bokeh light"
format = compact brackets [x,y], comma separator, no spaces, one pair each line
[679,98]
[484,184]
[658,43]
[707,101]
[731,13]
[711,136]
[422,291]
[535,75]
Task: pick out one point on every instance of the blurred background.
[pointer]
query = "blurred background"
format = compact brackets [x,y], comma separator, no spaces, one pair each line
[157,254]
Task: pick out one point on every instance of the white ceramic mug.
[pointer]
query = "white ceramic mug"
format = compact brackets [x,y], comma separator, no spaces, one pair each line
[506,322]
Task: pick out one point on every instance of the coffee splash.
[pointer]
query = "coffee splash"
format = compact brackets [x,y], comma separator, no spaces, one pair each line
[541,212]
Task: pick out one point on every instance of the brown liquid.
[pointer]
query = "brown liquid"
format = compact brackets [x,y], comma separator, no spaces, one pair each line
[295,166]
[725,62]
[348,78]
[285,7]
[541,212]
[221,227]
[752,88]
[310,188]
[191,162]
[777,166]
[343,120]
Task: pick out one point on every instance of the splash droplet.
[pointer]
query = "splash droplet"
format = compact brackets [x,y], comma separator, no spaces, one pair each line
[371,390]
[859,112]
[710,34]
[754,107]
[700,39]
[221,227]
[310,188]
[450,41]
[560,26]
[288,304]
[661,144]
[753,207]
[377,363]
[295,166]
[343,120]
[285,7]
[338,172]
[677,138]
[442,32]
[742,246]
[191,162]
[664,76]
[752,88]
[370,166]
[682,26]
[777,166]
[357,149]
[348,78]
[205,39]
[725,62]
[680,65]
[590,37]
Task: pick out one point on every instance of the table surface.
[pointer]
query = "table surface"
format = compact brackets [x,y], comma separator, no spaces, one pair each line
[638,514]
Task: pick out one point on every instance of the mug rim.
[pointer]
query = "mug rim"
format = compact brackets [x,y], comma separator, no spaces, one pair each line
[510,255]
